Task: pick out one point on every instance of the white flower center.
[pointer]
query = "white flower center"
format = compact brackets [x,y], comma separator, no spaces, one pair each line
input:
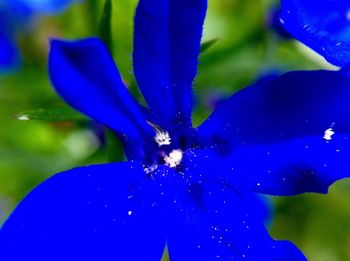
[328,134]
[174,158]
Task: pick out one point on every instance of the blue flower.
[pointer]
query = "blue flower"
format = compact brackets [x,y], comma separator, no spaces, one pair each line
[322,25]
[193,190]
[15,15]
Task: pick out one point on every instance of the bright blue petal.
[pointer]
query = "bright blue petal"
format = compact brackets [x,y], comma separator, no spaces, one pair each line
[84,74]
[274,137]
[166,48]
[100,212]
[208,219]
[323,25]
[214,221]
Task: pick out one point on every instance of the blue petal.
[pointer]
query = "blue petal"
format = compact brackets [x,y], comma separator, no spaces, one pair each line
[99,212]
[214,221]
[115,212]
[276,138]
[85,75]
[30,7]
[208,219]
[9,56]
[323,25]
[313,167]
[166,48]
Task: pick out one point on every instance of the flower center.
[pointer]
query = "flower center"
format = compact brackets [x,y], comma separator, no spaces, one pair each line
[328,134]
[168,152]
[173,159]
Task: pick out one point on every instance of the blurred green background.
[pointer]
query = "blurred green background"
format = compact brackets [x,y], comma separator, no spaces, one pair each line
[56,138]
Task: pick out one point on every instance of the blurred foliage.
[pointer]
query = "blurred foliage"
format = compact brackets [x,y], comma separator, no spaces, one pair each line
[40,135]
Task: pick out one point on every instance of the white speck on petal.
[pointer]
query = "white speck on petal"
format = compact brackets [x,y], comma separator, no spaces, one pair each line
[150,169]
[23,117]
[129,212]
[328,134]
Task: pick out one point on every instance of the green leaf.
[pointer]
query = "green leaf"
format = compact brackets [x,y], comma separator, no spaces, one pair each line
[252,38]
[56,114]
[206,45]
[105,25]
[115,151]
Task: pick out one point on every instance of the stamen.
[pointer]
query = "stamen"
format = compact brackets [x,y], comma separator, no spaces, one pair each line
[162,138]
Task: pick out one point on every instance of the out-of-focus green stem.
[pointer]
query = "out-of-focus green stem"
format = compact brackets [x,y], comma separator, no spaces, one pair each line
[93,13]
[105,25]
